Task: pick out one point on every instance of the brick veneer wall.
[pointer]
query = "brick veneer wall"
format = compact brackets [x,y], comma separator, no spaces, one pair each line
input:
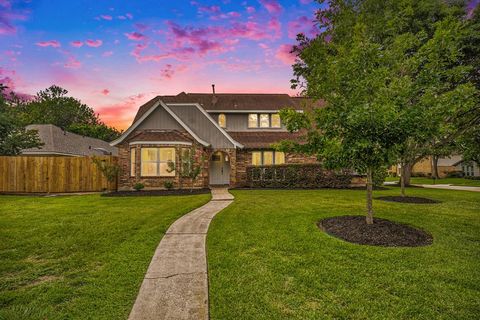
[126,181]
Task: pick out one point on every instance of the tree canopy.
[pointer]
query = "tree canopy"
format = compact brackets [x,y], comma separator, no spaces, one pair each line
[393,76]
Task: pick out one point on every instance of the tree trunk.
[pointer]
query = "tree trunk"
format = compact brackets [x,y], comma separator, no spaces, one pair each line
[435,167]
[369,196]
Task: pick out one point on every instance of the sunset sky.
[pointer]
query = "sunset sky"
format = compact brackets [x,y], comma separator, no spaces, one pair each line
[116,55]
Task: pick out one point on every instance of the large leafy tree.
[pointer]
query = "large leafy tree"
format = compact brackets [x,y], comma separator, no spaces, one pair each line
[13,136]
[380,66]
[54,106]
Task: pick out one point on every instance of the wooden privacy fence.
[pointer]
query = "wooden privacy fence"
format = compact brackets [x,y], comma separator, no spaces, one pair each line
[36,174]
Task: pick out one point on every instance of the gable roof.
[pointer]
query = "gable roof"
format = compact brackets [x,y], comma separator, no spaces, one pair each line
[59,142]
[232,101]
[154,104]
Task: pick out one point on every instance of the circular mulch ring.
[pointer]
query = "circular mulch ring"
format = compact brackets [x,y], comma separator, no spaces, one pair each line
[382,232]
[408,199]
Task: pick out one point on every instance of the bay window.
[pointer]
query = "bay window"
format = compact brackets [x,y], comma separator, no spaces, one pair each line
[154,162]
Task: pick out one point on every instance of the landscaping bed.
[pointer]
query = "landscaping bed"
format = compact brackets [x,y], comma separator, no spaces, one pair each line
[382,232]
[176,192]
[419,200]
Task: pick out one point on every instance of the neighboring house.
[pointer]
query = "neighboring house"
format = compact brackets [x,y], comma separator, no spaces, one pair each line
[57,142]
[232,130]
[446,165]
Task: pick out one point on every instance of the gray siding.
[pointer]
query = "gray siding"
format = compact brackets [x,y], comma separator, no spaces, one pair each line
[160,119]
[202,126]
[239,122]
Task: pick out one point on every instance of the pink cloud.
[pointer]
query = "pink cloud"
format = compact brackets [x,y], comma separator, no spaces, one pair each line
[94,43]
[107,54]
[76,43]
[72,63]
[302,25]
[8,16]
[120,114]
[305,1]
[50,43]
[135,36]
[129,16]
[250,10]
[105,92]
[272,6]
[284,54]
[106,17]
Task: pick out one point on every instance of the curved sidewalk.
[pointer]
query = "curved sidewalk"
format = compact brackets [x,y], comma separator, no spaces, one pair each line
[176,283]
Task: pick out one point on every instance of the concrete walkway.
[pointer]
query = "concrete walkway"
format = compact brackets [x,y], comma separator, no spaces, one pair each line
[448,187]
[176,284]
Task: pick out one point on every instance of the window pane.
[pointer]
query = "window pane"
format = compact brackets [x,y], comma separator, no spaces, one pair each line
[222,120]
[253,120]
[132,161]
[167,154]
[149,169]
[264,120]
[164,168]
[276,121]
[256,158]
[149,154]
[279,157]
[268,157]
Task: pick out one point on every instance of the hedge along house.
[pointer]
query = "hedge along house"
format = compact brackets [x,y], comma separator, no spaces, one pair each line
[228,131]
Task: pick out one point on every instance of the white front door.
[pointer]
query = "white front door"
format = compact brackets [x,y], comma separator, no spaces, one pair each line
[219,169]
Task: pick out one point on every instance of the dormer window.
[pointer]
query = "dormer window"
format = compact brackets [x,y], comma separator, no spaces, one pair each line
[264,120]
[276,123]
[253,120]
[222,120]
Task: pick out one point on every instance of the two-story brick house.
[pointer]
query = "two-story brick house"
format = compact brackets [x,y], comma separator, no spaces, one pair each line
[232,131]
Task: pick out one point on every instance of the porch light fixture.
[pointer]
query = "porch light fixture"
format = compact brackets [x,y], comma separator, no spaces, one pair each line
[226,158]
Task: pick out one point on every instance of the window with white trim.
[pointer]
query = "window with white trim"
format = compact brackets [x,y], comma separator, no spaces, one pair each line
[266,158]
[222,120]
[154,162]
[264,120]
[133,161]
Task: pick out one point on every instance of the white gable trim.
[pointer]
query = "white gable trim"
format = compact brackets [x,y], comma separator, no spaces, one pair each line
[146,114]
[209,117]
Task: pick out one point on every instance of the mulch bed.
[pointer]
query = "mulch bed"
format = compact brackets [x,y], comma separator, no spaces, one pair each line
[142,193]
[382,232]
[408,199]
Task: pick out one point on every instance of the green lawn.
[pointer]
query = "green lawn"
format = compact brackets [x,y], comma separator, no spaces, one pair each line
[268,260]
[454,181]
[79,257]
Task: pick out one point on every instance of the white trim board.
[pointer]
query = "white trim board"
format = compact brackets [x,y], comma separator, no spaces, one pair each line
[146,114]
[209,117]
[182,143]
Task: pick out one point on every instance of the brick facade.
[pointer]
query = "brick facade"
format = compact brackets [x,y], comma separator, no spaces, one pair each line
[239,160]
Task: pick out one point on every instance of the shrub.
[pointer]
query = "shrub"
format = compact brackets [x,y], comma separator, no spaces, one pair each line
[472,178]
[138,186]
[379,177]
[306,176]
[455,174]
[168,185]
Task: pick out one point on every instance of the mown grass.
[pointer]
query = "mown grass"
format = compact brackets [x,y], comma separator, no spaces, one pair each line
[267,259]
[454,181]
[79,257]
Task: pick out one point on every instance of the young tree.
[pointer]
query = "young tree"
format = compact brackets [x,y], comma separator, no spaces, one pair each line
[13,136]
[191,164]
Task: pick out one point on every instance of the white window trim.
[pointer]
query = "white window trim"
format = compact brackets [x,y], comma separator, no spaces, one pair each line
[158,162]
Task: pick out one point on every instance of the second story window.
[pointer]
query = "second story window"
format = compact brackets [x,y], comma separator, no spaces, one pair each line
[222,120]
[264,120]
[276,121]
[253,120]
